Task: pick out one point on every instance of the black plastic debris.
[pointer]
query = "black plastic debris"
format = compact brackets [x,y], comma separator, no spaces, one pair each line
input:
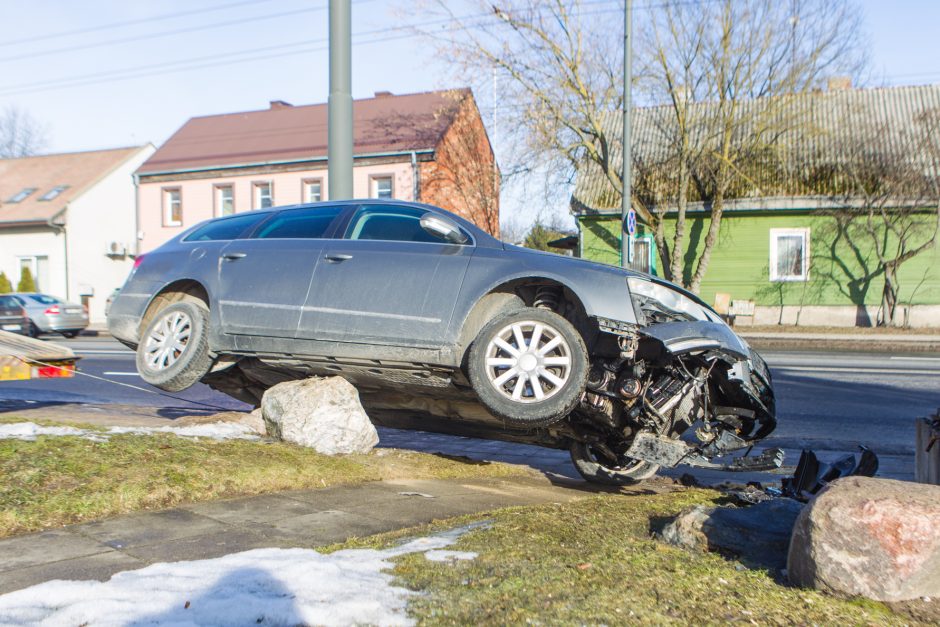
[811,475]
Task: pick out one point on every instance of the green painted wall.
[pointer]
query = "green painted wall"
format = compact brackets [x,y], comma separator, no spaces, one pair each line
[740,262]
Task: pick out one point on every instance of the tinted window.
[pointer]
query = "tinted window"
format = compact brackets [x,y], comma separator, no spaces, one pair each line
[229,228]
[400,224]
[43,299]
[8,302]
[300,223]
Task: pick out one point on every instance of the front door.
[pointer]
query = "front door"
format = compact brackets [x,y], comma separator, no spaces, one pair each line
[388,282]
[263,281]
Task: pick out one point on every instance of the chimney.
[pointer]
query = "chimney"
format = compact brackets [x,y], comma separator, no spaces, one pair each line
[839,83]
[280,104]
[383,94]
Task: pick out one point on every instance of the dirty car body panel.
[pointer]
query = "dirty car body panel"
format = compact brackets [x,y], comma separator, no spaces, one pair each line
[358,289]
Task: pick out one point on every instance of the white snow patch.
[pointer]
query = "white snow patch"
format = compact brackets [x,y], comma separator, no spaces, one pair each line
[449,556]
[215,430]
[263,586]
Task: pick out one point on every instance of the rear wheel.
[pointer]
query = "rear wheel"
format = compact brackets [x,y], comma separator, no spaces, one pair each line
[596,467]
[173,353]
[69,334]
[528,367]
[33,330]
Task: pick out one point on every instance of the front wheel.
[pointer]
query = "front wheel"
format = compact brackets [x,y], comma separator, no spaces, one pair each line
[528,367]
[597,468]
[173,353]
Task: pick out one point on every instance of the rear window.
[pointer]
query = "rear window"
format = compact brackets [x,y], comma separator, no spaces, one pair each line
[300,223]
[8,302]
[43,299]
[226,228]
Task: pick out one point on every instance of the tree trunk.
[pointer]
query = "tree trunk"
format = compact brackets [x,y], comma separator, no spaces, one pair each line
[678,242]
[711,238]
[889,297]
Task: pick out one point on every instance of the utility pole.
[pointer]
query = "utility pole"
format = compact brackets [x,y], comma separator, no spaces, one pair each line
[626,239]
[340,134]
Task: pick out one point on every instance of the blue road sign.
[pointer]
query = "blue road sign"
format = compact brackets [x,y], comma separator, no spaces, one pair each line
[631,222]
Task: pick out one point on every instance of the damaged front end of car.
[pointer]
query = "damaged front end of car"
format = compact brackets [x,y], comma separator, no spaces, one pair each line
[678,387]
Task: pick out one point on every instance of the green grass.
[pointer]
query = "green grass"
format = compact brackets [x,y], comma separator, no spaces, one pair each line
[60,480]
[594,562]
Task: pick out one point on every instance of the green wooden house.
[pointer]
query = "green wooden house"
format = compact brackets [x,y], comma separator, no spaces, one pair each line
[794,244]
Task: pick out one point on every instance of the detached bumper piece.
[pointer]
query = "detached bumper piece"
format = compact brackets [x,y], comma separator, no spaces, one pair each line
[811,475]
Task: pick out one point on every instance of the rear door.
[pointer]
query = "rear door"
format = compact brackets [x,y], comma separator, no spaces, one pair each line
[387,281]
[263,280]
[11,315]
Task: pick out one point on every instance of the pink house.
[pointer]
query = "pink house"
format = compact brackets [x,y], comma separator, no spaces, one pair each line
[431,147]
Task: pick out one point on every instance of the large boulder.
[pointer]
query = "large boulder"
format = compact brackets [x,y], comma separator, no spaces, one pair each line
[323,414]
[876,538]
[758,534]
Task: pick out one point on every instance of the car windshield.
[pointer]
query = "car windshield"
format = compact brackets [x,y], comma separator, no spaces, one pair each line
[43,299]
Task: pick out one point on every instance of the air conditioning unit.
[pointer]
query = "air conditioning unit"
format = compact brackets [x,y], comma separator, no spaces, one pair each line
[116,249]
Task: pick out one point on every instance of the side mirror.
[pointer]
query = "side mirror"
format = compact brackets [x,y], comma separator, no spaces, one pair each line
[441,227]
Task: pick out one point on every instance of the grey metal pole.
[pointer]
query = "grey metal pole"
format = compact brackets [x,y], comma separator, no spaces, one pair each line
[340,135]
[626,171]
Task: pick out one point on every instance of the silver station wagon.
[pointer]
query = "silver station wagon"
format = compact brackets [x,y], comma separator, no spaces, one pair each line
[444,328]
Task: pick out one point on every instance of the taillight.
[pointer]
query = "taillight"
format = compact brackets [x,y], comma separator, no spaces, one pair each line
[54,310]
[138,260]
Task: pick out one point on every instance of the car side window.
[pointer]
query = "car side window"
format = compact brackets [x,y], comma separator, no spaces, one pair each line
[390,223]
[226,228]
[8,302]
[300,223]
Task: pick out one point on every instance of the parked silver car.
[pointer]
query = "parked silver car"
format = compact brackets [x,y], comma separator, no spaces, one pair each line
[13,316]
[50,314]
[443,327]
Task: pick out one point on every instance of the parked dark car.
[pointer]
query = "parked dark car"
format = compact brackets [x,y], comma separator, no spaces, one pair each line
[51,314]
[12,316]
[443,327]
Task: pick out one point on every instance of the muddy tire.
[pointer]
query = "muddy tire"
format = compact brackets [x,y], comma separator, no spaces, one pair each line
[594,469]
[528,367]
[173,353]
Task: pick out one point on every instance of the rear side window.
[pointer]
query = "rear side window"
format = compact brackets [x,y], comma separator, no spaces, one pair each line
[390,223]
[226,228]
[8,302]
[300,223]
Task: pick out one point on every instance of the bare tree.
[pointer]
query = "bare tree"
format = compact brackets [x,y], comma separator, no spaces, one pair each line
[888,189]
[731,73]
[20,134]
[703,60]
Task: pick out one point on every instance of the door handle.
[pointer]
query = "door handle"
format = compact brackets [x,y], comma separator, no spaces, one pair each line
[337,257]
[234,256]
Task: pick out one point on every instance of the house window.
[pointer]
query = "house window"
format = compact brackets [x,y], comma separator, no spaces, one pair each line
[172,207]
[54,192]
[789,254]
[381,187]
[21,195]
[224,200]
[313,190]
[38,266]
[263,196]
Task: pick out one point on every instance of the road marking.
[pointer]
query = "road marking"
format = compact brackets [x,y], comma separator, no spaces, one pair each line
[915,358]
[856,370]
[120,374]
[104,352]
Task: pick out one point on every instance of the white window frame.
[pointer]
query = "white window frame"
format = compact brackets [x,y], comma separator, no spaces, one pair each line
[256,194]
[168,206]
[218,189]
[775,234]
[374,185]
[307,184]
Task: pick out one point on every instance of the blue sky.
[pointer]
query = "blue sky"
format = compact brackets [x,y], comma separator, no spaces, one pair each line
[65,79]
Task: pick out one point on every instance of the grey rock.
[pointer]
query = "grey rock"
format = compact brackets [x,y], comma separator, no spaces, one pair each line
[323,414]
[758,534]
[877,538]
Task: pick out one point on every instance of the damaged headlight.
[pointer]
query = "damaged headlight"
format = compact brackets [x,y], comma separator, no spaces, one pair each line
[655,303]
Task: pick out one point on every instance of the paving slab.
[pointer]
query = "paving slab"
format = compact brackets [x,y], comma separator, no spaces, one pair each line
[312,518]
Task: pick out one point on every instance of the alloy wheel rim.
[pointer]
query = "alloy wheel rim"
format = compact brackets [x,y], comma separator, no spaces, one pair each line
[168,340]
[528,361]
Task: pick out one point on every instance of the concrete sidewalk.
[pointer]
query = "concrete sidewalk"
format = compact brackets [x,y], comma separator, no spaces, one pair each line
[306,519]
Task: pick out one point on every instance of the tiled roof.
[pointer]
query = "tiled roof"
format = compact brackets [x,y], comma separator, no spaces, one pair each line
[814,131]
[283,133]
[77,171]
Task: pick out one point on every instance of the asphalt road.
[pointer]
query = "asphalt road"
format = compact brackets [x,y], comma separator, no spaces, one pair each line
[830,402]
